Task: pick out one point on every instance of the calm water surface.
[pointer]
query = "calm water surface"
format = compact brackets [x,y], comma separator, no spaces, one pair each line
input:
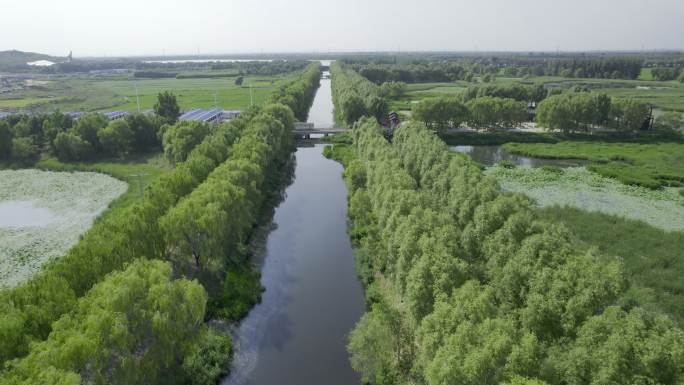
[297,335]
[321,111]
[19,214]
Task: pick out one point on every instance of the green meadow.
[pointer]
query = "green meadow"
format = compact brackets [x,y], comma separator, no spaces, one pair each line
[90,93]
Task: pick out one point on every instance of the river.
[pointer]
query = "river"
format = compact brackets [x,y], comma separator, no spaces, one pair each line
[298,333]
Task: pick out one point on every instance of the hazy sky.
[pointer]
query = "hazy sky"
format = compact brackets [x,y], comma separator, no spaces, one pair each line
[152,27]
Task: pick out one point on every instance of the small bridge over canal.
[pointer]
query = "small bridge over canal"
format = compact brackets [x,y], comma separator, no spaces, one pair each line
[305,130]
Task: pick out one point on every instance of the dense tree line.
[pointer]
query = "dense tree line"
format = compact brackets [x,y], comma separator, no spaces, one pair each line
[579,111]
[152,69]
[426,72]
[485,112]
[355,96]
[603,68]
[25,137]
[665,74]
[206,232]
[439,70]
[268,68]
[299,95]
[169,345]
[466,286]
[520,92]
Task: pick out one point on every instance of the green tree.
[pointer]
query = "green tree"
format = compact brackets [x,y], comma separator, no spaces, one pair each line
[493,112]
[69,146]
[134,327]
[181,138]
[117,138]
[5,140]
[619,347]
[87,127]
[378,108]
[208,360]
[392,89]
[239,80]
[354,108]
[24,151]
[517,380]
[629,114]
[144,132]
[440,113]
[167,107]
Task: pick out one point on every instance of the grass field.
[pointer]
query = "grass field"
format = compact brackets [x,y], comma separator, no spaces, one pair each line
[650,165]
[90,93]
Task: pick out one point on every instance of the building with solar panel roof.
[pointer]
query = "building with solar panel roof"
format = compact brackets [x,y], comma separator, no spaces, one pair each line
[214,115]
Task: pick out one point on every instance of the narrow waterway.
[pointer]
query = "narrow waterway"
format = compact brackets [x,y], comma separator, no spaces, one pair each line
[298,333]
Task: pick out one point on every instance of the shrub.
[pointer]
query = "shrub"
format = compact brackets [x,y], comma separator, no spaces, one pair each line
[117,138]
[24,151]
[69,146]
[209,360]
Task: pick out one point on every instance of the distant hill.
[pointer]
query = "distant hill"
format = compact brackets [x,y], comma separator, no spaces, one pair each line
[16,60]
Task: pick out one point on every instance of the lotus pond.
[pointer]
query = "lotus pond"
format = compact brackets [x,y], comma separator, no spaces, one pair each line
[43,214]
[577,187]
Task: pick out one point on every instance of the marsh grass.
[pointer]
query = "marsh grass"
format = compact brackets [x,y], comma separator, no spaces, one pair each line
[651,165]
[653,258]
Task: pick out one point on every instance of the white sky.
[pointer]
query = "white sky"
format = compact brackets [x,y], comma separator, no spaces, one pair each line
[151,27]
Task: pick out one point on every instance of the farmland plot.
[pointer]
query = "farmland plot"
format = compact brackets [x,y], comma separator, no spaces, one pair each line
[43,213]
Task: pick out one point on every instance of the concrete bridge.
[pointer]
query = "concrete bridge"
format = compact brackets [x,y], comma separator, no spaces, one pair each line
[305,130]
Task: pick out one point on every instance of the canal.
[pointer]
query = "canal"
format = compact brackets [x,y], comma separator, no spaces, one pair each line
[298,333]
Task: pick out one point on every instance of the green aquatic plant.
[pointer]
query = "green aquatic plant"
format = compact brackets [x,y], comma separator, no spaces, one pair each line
[74,200]
[580,188]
